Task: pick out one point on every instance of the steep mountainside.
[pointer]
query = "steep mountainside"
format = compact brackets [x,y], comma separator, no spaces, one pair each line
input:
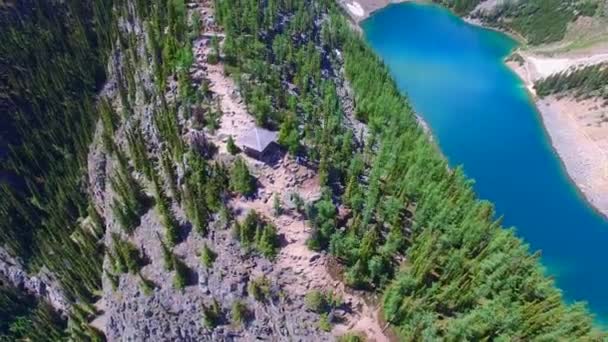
[137,206]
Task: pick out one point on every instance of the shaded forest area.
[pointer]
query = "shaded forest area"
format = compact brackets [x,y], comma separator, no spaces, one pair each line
[52,63]
[49,91]
[24,318]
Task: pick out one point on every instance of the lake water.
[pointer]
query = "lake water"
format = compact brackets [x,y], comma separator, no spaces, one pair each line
[483,118]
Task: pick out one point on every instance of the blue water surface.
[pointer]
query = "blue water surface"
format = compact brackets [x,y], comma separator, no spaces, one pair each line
[482,117]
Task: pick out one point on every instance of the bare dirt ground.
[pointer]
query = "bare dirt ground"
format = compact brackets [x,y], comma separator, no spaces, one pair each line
[282,178]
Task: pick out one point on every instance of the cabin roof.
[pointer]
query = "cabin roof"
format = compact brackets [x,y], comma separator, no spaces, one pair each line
[257,139]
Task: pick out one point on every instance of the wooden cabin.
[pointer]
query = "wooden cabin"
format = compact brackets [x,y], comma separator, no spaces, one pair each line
[257,142]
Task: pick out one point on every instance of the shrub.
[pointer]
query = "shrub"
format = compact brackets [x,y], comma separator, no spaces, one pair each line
[315,301]
[324,322]
[277,209]
[351,337]
[322,302]
[147,286]
[167,254]
[298,202]
[231,146]
[212,314]
[125,256]
[239,312]
[207,256]
[259,288]
[181,274]
[254,232]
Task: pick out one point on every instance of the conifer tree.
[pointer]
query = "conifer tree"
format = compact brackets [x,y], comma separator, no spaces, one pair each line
[207,256]
[241,180]
[180,279]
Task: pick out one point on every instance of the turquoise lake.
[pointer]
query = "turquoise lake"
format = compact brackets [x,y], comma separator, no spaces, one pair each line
[483,118]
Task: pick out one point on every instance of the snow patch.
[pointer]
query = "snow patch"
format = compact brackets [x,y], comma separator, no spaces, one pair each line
[356,9]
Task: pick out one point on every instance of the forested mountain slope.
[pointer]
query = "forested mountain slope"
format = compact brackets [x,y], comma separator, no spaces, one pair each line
[48,84]
[537,21]
[133,195]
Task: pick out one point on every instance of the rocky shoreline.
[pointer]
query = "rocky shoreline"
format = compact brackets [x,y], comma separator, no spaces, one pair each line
[576,131]
[583,158]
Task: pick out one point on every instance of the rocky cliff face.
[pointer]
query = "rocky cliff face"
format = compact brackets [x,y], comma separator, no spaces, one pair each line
[41,285]
[169,314]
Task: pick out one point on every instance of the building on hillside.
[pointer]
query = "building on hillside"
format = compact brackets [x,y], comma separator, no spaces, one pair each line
[257,142]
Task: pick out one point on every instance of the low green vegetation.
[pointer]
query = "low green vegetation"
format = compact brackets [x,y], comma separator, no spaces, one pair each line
[254,232]
[212,314]
[351,337]
[180,278]
[538,21]
[324,322]
[461,7]
[231,146]
[239,312]
[207,256]
[259,288]
[124,257]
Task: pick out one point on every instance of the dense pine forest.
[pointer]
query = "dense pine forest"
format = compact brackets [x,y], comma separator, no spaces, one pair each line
[398,221]
[416,233]
[48,86]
